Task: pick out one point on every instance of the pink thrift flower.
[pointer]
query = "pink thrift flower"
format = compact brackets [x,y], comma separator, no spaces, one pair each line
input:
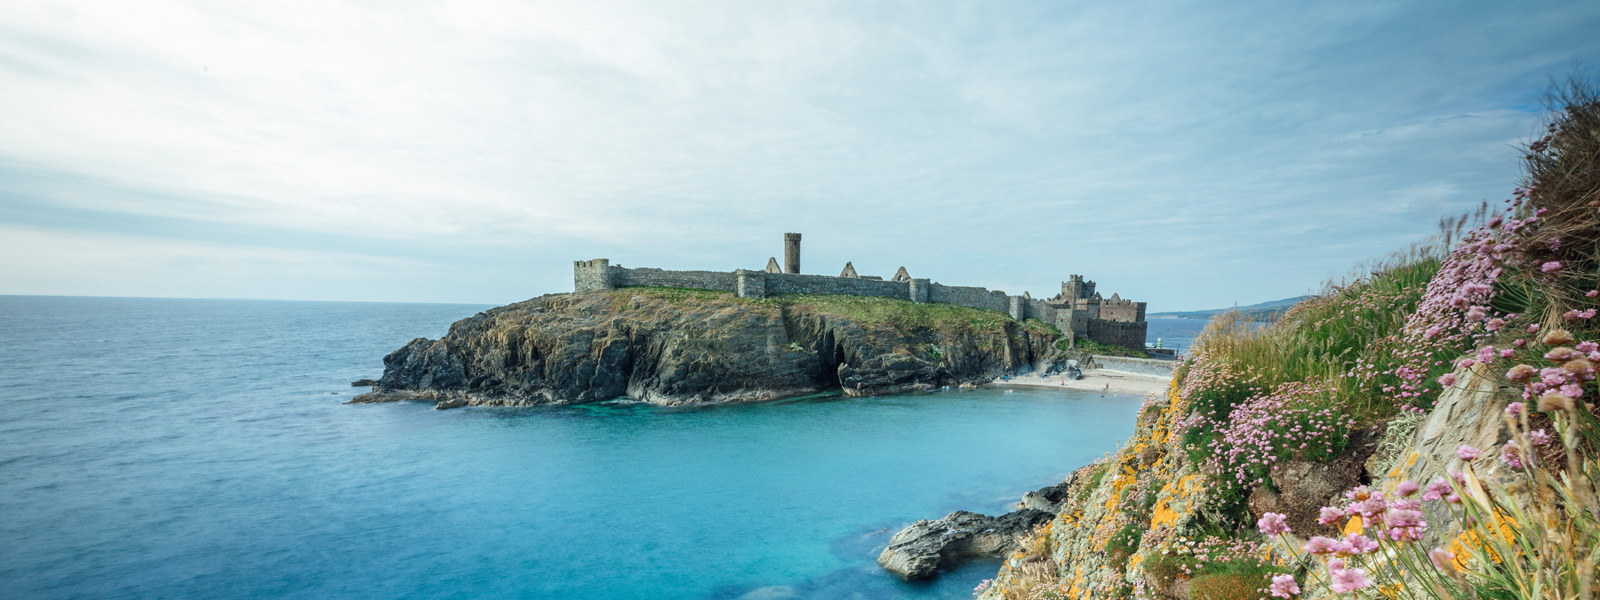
[1486,354]
[1360,544]
[1431,332]
[1511,455]
[1476,314]
[1437,490]
[1406,488]
[1358,493]
[1466,452]
[1562,354]
[1538,437]
[1551,267]
[1347,580]
[1587,347]
[1494,324]
[1320,545]
[1273,524]
[1405,525]
[1329,515]
[1284,586]
[1447,379]
[1514,408]
[1592,293]
[1521,372]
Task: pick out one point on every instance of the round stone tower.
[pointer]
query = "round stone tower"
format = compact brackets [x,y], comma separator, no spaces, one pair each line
[791,253]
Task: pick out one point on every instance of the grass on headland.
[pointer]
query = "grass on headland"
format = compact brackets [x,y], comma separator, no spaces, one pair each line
[864,310]
[1093,347]
[1351,327]
[902,314]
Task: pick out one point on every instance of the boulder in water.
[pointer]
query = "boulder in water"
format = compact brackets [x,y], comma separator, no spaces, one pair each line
[919,551]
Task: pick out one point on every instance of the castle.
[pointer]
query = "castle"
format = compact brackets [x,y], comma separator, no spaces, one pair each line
[1078,311]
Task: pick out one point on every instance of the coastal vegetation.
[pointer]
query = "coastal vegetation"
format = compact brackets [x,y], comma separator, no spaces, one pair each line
[864,310]
[1423,429]
[1091,347]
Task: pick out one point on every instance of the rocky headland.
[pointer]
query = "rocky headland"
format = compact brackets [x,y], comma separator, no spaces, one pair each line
[675,346]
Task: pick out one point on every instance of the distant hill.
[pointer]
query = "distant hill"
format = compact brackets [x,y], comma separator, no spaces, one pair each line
[1260,312]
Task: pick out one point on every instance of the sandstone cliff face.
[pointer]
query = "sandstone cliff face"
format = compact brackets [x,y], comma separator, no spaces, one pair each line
[679,347]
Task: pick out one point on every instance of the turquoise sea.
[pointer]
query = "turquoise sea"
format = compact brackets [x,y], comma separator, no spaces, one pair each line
[154,448]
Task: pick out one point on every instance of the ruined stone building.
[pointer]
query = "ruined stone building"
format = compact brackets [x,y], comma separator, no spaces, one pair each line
[1078,311]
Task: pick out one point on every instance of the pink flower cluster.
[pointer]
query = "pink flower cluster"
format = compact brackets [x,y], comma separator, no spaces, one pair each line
[1557,387]
[1192,556]
[1454,313]
[1273,427]
[1398,520]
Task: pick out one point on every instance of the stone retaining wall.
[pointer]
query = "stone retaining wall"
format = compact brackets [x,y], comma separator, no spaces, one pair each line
[1147,366]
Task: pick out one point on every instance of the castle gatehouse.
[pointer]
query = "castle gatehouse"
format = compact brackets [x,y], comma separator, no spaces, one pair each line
[1078,311]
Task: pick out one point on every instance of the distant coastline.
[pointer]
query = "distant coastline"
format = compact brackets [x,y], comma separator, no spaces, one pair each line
[1265,311]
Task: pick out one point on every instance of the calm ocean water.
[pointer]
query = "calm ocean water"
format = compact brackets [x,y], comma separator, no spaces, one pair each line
[1174,333]
[201,449]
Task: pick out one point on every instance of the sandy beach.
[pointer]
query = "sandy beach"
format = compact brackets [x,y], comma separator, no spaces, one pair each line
[1097,380]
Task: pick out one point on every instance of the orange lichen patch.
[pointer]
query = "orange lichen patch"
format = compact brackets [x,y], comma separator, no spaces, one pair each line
[1076,590]
[1186,488]
[1119,483]
[1475,539]
[1354,526]
[1398,470]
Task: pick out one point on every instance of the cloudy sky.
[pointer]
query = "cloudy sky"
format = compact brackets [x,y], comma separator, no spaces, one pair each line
[464,151]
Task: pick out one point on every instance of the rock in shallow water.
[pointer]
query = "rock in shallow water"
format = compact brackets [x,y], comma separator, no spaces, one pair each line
[449,403]
[919,551]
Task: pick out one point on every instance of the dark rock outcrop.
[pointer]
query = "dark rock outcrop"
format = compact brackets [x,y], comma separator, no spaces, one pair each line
[919,551]
[684,348]
[1047,498]
[1300,488]
[363,382]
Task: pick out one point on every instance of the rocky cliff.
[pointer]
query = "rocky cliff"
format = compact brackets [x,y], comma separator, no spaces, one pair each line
[1144,522]
[684,346]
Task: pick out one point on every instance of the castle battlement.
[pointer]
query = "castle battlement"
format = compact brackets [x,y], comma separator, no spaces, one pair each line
[1078,311]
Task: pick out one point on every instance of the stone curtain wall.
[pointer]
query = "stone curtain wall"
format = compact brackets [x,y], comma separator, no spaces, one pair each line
[794,283]
[1122,310]
[1127,335]
[702,280]
[975,297]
